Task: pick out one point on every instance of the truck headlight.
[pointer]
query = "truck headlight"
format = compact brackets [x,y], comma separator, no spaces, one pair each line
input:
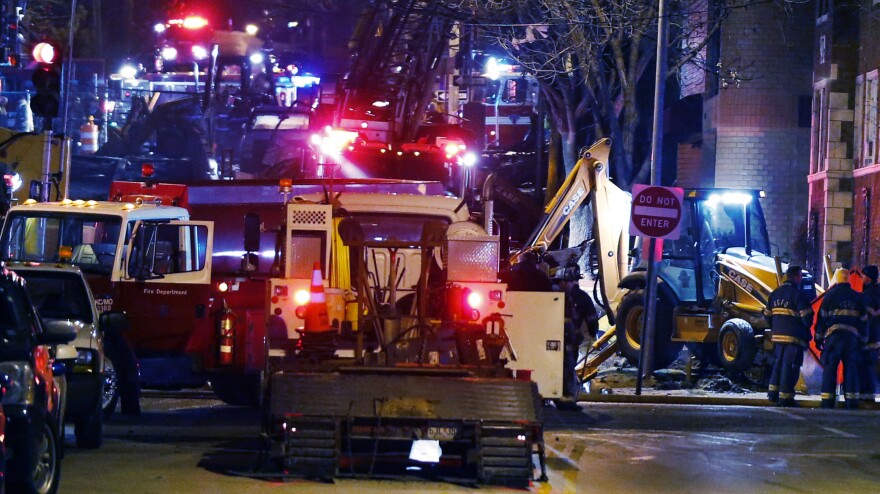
[18,379]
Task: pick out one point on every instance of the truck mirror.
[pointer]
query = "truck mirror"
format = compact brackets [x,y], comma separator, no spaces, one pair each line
[58,331]
[252,228]
[249,262]
[113,321]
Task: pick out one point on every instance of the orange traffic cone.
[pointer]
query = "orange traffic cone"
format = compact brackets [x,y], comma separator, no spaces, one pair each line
[317,338]
[316,318]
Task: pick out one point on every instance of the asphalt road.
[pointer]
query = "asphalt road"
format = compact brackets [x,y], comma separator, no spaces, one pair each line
[200,445]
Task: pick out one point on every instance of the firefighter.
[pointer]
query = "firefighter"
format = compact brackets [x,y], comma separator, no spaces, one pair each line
[581,321]
[125,363]
[525,276]
[868,355]
[840,333]
[790,314]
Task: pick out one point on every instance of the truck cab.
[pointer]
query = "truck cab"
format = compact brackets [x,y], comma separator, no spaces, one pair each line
[145,259]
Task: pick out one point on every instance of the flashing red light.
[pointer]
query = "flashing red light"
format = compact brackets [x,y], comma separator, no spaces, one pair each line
[147,170]
[451,149]
[474,300]
[194,22]
[44,53]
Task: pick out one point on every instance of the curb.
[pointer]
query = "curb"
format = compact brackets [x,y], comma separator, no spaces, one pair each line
[806,402]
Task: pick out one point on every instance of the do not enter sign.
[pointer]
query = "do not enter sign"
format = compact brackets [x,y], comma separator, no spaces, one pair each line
[656,211]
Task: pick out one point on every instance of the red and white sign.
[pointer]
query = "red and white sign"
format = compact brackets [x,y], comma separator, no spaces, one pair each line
[656,211]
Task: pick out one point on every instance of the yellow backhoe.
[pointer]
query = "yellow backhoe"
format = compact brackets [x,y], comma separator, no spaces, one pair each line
[713,282]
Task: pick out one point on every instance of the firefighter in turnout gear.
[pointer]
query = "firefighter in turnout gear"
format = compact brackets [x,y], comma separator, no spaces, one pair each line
[840,334]
[581,323]
[790,314]
[868,355]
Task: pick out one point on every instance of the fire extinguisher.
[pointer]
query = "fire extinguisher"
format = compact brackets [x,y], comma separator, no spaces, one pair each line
[227,335]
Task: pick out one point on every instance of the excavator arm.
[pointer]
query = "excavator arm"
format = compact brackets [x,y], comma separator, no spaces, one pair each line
[611,207]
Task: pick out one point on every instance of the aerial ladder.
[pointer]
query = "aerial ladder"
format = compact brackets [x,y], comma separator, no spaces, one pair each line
[399,47]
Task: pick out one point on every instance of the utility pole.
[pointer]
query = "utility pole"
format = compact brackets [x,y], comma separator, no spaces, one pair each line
[646,356]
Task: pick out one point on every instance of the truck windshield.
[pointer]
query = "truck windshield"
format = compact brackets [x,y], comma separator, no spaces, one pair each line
[394,228]
[58,295]
[92,239]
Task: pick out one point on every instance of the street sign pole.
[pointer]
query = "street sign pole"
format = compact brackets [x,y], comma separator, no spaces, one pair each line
[646,356]
[646,360]
[656,214]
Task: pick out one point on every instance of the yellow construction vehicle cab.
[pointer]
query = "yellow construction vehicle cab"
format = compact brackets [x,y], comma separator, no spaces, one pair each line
[714,281]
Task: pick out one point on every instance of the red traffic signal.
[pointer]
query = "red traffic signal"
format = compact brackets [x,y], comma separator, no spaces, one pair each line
[45,53]
[46,80]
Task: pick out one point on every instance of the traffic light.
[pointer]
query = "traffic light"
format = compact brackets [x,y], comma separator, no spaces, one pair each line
[47,80]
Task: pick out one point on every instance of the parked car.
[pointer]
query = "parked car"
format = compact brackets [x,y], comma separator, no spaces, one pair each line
[33,401]
[61,295]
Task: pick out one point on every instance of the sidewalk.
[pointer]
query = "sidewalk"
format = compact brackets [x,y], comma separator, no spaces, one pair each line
[671,386]
[691,397]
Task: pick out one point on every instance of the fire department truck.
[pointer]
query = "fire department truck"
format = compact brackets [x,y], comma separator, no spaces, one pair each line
[511,99]
[195,276]
[414,303]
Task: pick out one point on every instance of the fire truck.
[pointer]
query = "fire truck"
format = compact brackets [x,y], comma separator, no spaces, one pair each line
[511,99]
[415,306]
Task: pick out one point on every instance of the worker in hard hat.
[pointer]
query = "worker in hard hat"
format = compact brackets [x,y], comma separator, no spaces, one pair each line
[868,354]
[790,315]
[840,334]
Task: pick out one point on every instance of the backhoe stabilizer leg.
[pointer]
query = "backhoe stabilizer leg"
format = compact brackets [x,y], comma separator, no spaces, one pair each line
[591,367]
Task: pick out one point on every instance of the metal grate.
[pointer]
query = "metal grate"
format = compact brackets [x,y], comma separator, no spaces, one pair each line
[309,217]
[474,259]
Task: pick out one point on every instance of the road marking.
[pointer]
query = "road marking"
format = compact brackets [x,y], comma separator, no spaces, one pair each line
[562,456]
[787,413]
[838,432]
[570,476]
[827,429]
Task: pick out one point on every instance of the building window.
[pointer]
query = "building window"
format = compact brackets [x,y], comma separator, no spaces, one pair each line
[866,236]
[820,124]
[869,133]
[858,121]
[822,49]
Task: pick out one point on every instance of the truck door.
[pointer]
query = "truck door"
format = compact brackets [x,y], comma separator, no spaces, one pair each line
[165,288]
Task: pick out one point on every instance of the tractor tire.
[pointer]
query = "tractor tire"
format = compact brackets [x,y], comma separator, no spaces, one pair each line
[629,330]
[736,347]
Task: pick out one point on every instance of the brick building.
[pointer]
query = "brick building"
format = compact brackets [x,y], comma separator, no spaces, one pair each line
[755,130]
[844,161]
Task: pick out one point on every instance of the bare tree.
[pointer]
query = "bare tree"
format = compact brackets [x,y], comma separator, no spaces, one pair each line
[590,57]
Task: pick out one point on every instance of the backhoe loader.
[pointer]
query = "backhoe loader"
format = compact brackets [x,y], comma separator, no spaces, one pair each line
[713,282]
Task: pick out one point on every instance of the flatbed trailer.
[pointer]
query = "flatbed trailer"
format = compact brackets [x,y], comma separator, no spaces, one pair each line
[355,421]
